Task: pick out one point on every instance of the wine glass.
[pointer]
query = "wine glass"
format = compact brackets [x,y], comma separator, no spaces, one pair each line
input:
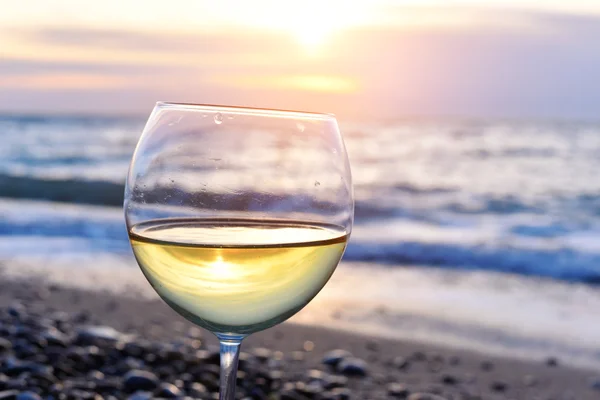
[238,216]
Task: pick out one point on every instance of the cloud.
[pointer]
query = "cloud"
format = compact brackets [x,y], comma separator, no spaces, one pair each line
[547,67]
[19,66]
[244,41]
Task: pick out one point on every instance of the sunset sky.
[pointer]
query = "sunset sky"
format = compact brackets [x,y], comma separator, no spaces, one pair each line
[379,58]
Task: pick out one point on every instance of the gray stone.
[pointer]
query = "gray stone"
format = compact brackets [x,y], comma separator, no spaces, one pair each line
[168,391]
[9,394]
[341,393]
[140,396]
[197,389]
[552,362]
[54,337]
[5,345]
[499,386]
[398,390]
[292,395]
[334,381]
[262,354]
[317,375]
[400,362]
[449,379]
[98,335]
[425,396]
[353,366]
[17,310]
[334,357]
[136,380]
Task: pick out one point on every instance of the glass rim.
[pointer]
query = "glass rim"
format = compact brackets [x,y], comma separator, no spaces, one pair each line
[247,110]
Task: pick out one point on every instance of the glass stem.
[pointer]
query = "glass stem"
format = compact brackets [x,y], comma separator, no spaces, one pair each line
[230,352]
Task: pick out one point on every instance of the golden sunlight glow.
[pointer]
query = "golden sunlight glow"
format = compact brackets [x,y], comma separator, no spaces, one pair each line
[318,83]
[311,22]
[222,270]
[312,83]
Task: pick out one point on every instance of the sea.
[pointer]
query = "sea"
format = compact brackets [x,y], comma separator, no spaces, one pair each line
[467,232]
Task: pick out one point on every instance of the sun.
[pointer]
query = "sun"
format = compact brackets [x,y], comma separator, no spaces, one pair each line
[313,22]
[312,26]
[311,37]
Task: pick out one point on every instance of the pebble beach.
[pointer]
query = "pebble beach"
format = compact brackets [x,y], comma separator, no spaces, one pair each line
[58,342]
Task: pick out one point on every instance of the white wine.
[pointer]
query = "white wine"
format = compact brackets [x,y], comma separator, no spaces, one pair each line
[234,275]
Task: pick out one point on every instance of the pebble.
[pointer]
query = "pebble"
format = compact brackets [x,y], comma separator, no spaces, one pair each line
[275,375]
[397,390]
[197,389]
[308,346]
[54,357]
[257,393]
[334,357]
[552,362]
[334,381]
[194,332]
[16,310]
[9,394]
[54,337]
[28,396]
[97,335]
[313,388]
[262,354]
[425,396]
[139,380]
[108,385]
[5,345]
[400,362]
[83,395]
[352,366]
[341,393]
[140,396]
[449,379]
[133,349]
[498,386]
[168,391]
[14,367]
[291,395]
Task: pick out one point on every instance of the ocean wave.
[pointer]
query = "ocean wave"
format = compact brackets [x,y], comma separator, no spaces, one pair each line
[509,204]
[111,194]
[563,263]
[66,191]
[393,242]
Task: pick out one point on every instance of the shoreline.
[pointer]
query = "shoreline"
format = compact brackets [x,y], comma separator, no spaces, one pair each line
[491,313]
[428,368]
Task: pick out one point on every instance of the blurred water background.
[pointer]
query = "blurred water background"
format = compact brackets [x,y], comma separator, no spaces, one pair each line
[519,197]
